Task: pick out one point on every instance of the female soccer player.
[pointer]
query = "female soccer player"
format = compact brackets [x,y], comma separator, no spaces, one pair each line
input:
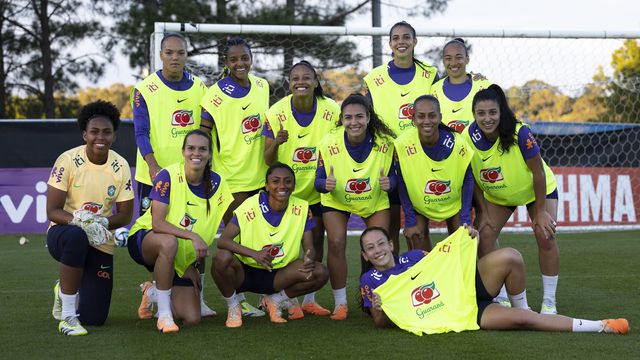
[301,120]
[391,87]
[455,92]
[259,250]
[509,171]
[188,202]
[358,155]
[84,185]
[503,266]
[233,109]
[441,187]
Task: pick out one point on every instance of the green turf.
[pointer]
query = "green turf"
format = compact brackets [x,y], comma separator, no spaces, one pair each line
[599,279]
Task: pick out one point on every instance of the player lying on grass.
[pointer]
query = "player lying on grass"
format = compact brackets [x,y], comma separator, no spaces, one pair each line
[383,296]
[85,184]
[259,250]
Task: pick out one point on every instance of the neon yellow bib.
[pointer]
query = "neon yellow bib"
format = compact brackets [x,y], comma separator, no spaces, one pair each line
[301,150]
[434,187]
[284,240]
[393,103]
[188,211]
[172,114]
[437,294]
[457,114]
[357,184]
[240,159]
[505,178]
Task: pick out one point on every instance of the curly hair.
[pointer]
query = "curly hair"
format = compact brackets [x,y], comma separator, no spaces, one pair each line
[508,121]
[99,108]
[376,127]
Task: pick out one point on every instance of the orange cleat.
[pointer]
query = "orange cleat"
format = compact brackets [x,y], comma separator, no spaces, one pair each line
[145,310]
[273,309]
[340,312]
[295,311]
[234,317]
[315,309]
[166,325]
[616,326]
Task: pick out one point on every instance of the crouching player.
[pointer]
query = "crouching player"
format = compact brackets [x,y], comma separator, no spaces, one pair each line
[84,185]
[259,251]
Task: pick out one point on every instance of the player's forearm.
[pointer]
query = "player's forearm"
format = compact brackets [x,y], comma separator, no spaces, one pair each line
[122,216]
[270,151]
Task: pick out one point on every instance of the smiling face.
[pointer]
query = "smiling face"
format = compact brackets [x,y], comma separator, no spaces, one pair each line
[302,81]
[280,185]
[174,56]
[99,135]
[238,61]
[402,42]
[355,119]
[455,60]
[427,117]
[378,250]
[487,115]
[196,152]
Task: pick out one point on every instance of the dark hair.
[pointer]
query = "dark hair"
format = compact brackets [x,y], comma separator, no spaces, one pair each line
[376,127]
[317,92]
[170,35]
[232,42]
[422,65]
[365,265]
[433,100]
[206,179]
[96,109]
[279,165]
[508,121]
[458,41]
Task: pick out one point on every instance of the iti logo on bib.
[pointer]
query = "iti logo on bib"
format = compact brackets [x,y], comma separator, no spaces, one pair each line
[491,175]
[251,124]
[182,118]
[437,187]
[423,295]
[358,186]
[304,154]
[188,221]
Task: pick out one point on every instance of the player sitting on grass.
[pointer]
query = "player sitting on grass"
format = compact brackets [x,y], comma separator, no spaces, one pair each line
[259,250]
[385,297]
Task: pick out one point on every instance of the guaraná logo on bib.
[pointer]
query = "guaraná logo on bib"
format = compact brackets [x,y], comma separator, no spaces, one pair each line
[458,125]
[251,124]
[424,295]
[405,111]
[491,175]
[305,154]
[182,118]
[437,187]
[275,250]
[91,206]
[188,221]
[358,186]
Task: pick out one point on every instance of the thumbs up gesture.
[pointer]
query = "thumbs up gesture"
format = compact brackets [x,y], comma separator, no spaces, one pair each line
[283,135]
[330,184]
[385,184]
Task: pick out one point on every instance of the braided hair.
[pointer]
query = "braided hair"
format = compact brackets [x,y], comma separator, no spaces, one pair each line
[232,42]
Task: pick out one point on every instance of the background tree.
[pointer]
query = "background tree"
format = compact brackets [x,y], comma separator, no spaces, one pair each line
[117,93]
[623,93]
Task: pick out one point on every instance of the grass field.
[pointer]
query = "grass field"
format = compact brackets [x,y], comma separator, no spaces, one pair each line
[600,278]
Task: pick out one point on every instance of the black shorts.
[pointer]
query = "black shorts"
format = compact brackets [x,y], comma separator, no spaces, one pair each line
[483,298]
[96,284]
[259,281]
[394,197]
[552,195]
[326,209]
[142,194]
[316,209]
[134,245]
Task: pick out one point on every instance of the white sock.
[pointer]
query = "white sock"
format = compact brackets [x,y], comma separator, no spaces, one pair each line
[519,300]
[279,297]
[164,303]
[241,297]
[503,292]
[581,325]
[202,288]
[340,296]
[549,286]
[152,293]
[310,298]
[68,304]
[232,300]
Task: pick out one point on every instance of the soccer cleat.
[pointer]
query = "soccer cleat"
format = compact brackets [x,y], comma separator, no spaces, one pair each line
[295,310]
[315,309]
[206,311]
[615,326]
[250,310]
[273,308]
[234,317]
[340,312]
[145,310]
[71,326]
[166,325]
[502,301]
[56,311]
[548,310]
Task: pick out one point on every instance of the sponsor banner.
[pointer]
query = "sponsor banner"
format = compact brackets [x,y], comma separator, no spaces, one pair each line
[593,197]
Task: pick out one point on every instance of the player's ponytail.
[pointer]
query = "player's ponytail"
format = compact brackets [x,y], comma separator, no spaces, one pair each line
[508,121]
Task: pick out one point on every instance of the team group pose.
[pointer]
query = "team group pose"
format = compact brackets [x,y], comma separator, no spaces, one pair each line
[278,177]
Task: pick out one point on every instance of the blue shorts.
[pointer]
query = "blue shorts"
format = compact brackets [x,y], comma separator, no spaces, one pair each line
[134,245]
[483,298]
[69,245]
[259,281]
